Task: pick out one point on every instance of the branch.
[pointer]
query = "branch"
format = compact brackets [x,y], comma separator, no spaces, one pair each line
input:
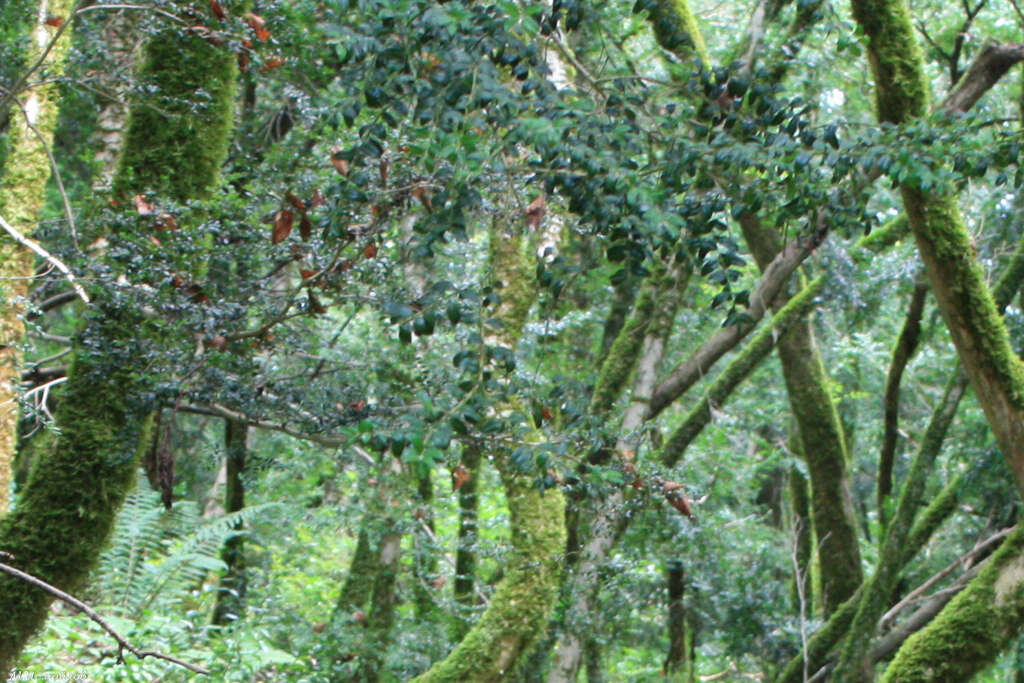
[122,643]
[50,258]
[775,277]
[906,345]
[979,549]
[991,64]
[217,410]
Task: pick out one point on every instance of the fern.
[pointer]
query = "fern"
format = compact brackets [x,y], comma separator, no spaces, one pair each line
[157,555]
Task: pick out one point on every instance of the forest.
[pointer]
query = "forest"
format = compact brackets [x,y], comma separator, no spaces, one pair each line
[399,340]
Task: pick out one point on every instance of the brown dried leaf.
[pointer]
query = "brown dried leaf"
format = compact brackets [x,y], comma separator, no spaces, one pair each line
[305,226]
[420,193]
[218,10]
[283,221]
[382,167]
[54,21]
[295,201]
[460,475]
[306,274]
[535,212]
[340,164]
[318,199]
[256,23]
[166,221]
[370,250]
[271,63]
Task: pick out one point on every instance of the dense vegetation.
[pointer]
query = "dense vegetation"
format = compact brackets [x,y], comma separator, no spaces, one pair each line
[458,341]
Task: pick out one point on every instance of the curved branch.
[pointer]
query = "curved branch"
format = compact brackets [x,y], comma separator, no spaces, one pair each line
[122,642]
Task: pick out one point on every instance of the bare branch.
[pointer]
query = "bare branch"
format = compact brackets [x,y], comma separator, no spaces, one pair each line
[962,561]
[217,410]
[991,64]
[50,258]
[122,642]
[775,277]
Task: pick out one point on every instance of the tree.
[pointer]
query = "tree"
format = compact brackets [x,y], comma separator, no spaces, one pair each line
[548,253]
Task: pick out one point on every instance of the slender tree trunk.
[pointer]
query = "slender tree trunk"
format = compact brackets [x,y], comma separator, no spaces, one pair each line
[679,664]
[822,439]
[383,603]
[803,596]
[22,193]
[465,553]
[231,592]
[425,570]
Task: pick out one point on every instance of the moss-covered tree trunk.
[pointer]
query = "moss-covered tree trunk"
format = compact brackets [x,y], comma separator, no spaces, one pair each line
[822,441]
[522,602]
[982,342]
[956,277]
[973,628]
[22,192]
[58,529]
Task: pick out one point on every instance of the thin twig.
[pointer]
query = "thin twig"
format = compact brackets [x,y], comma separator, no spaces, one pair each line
[122,642]
[50,258]
[55,169]
[961,561]
[5,101]
[145,8]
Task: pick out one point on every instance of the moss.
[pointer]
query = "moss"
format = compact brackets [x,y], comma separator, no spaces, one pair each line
[901,90]
[176,143]
[676,29]
[973,628]
[524,598]
[512,268]
[72,495]
[624,352]
[885,235]
[22,193]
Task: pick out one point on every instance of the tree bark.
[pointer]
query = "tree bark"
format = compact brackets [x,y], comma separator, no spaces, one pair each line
[465,554]
[821,436]
[22,193]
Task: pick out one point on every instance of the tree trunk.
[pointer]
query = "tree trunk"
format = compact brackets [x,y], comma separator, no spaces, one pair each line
[520,606]
[22,193]
[231,592]
[679,664]
[974,628]
[821,437]
[66,512]
[465,554]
